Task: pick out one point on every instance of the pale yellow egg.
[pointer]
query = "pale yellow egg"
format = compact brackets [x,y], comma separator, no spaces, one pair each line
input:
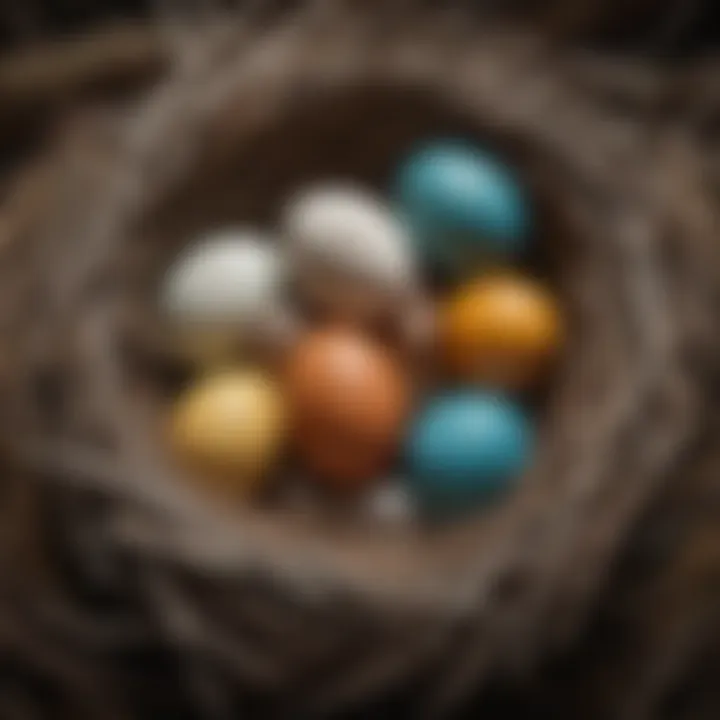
[229,431]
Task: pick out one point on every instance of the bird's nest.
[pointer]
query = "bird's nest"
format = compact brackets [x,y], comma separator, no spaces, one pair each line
[298,613]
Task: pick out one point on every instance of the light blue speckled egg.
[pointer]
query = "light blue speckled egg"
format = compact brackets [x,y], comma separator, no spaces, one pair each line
[466,448]
[462,204]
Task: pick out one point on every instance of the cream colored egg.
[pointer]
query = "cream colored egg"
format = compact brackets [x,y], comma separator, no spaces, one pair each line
[229,430]
[224,292]
[349,253]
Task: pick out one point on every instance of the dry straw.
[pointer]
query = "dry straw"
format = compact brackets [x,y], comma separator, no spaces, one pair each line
[294,612]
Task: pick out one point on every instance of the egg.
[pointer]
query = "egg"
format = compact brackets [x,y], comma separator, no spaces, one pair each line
[229,430]
[350,255]
[501,330]
[348,399]
[225,292]
[462,204]
[465,449]
[391,504]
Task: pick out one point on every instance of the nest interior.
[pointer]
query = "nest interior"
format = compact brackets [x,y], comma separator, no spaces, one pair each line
[358,133]
[274,600]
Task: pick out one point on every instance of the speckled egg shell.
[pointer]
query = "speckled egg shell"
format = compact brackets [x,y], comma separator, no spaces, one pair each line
[349,253]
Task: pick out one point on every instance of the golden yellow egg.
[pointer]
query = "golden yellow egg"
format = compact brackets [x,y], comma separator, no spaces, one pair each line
[229,430]
[503,331]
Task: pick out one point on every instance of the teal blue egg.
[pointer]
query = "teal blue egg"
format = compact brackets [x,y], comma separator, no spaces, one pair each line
[461,203]
[466,449]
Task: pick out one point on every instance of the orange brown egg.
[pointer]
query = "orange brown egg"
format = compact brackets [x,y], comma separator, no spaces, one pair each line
[348,398]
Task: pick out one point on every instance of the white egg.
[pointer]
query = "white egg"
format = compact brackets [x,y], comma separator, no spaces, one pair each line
[225,289]
[348,250]
[391,504]
[226,277]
